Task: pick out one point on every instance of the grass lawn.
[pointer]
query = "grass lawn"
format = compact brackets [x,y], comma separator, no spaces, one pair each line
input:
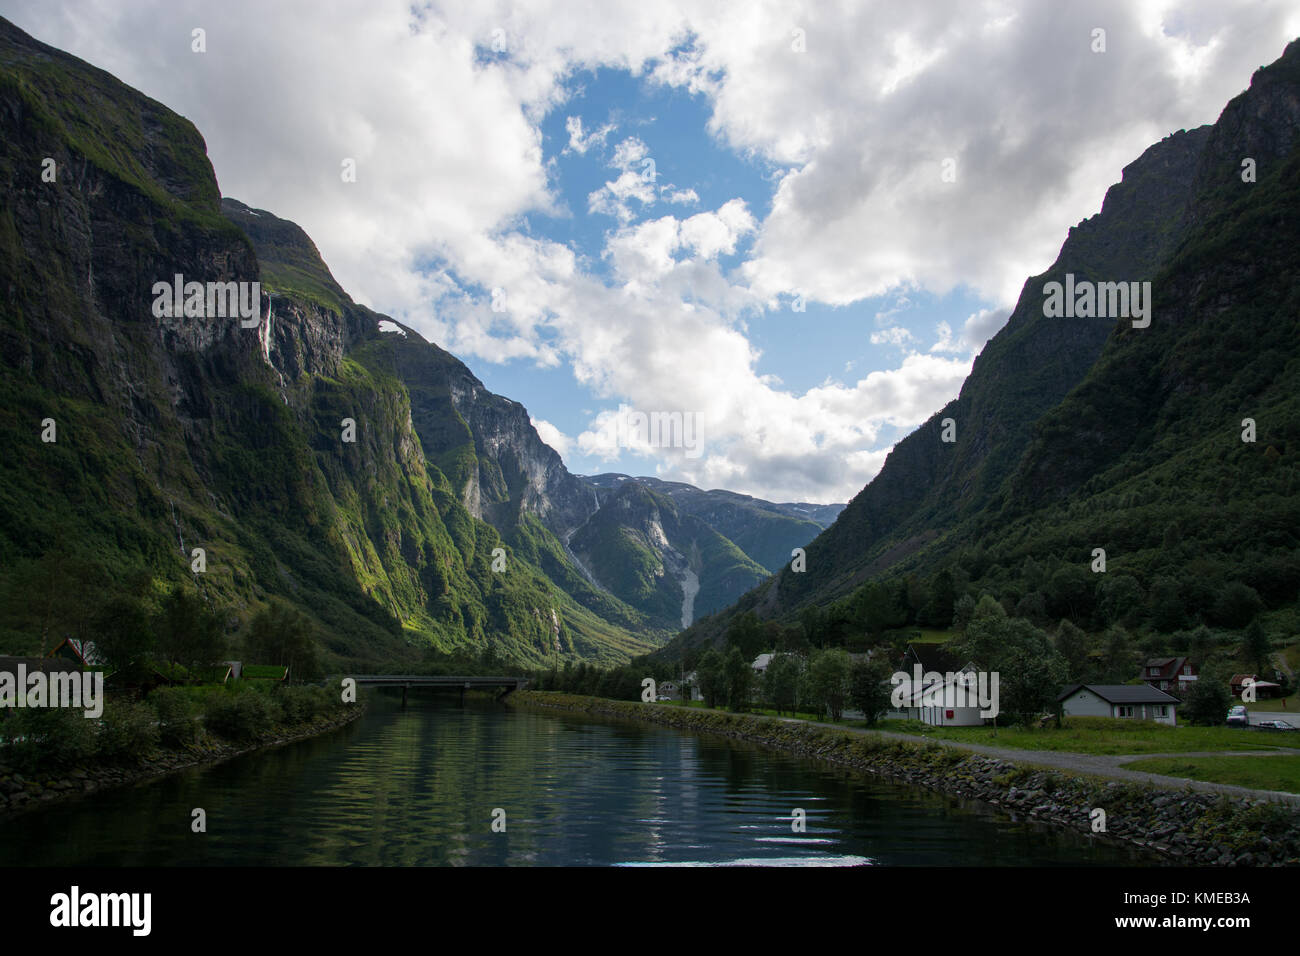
[1275,707]
[1098,735]
[1261,773]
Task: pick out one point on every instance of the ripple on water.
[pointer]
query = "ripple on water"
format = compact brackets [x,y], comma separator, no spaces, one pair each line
[420,787]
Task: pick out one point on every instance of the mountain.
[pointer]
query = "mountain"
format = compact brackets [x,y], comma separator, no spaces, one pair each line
[766,531]
[315,451]
[170,433]
[1087,432]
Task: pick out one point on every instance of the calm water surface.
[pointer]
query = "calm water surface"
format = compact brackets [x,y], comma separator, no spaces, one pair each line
[419,788]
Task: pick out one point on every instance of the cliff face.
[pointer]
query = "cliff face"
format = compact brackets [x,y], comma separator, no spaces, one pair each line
[1029,366]
[1058,412]
[290,451]
[316,451]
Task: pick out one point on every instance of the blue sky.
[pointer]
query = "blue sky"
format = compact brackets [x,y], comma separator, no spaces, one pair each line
[800,350]
[798,148]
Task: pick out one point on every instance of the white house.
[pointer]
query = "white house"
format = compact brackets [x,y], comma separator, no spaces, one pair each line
[761,662]
[692,682]
[940,702]
[1127,701]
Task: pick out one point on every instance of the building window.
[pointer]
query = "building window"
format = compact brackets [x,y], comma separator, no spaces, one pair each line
[1126,711]
[1162,711]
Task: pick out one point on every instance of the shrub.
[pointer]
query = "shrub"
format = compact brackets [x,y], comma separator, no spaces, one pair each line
[238,717]
[127,731]
[177,711]
[46,737]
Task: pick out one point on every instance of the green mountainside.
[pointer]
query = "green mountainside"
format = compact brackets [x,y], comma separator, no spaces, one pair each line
[1075,433]
[325,456]
[181,433]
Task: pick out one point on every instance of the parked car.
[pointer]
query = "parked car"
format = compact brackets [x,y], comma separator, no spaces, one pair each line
[1238,717]
[1275,725]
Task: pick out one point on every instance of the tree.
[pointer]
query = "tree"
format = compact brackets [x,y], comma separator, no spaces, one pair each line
[281,634]
[937,610]
[1069,593]
[869,688]
[988,607]
[962,612]
[1237,605]
[781,682]
[1202,642]
[1168,613]
[124,636]
[1119,598]
[712,678]
[1257,648]
[1030,671]
[828,679]
[188,633]
[1072,645]
[55,596]
[1033,607]
[1119,662]
[747,634]
[740,679]
[880,607]
[813,620]
[1206,702]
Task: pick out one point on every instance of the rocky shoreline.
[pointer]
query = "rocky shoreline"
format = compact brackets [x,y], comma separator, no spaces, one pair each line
[20,793]
[1182,827]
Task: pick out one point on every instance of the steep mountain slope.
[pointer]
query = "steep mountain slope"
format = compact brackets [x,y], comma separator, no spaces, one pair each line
[653,555]
[766,531]
[504,474]
[1042,421]
[285,450]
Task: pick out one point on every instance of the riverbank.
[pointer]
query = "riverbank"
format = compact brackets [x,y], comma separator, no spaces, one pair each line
[19,792]
[1181,826]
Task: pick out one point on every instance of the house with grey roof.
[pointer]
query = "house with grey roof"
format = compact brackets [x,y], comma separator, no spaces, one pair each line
[1126,701]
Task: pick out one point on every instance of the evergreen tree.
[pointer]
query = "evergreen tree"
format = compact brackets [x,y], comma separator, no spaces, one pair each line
[712,678]
[1257,648]
[740,679]
[781,682]
[1072,645]
[869,689]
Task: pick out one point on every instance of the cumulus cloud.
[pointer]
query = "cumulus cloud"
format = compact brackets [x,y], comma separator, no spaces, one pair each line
[444,127]
[552,436]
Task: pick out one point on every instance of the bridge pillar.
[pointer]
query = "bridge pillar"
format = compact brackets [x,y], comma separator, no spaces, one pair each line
[405,687]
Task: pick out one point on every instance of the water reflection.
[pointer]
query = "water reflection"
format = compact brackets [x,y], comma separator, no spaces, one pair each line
[419,788]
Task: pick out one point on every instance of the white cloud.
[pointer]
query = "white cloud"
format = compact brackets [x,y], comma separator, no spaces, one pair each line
[449,159]
[552,436]
[897,335]
[578,143]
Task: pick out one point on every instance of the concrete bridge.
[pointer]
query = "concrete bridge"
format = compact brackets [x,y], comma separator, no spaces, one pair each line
[506,685]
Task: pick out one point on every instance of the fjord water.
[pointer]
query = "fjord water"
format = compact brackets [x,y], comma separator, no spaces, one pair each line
[419,787]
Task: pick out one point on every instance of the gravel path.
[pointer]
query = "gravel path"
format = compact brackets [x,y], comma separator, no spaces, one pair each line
[1101,765]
